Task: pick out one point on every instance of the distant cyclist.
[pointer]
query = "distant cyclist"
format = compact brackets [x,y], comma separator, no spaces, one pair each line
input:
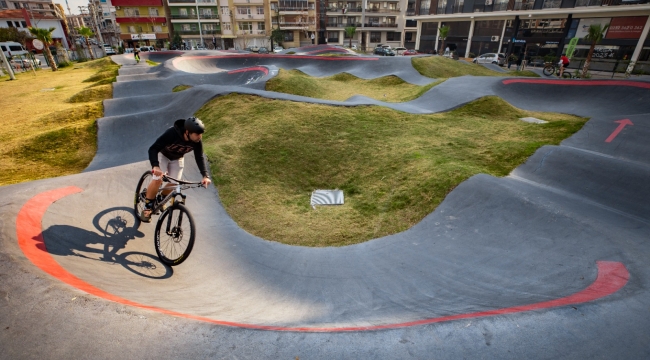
[564,63]
[136,54]
[167,153]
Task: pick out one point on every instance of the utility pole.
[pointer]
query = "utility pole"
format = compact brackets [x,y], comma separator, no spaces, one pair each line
[6,62]
[198,16]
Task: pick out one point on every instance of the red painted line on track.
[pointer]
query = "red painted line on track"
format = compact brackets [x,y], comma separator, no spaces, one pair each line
[638,84]
[612,276]
[309,57]
[252,68]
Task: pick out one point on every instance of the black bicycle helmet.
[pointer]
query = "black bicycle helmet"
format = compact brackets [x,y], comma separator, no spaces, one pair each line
[194,125]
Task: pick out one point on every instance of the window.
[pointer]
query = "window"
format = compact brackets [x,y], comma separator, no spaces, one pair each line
[193,27]
[40,6]
[132,12]
[261,26]
[245,26]
[393,36]
[225,10]
[226,26]
[182,11]
[185,27]
[10,24]
[206,12]
[17,6]
[157,29]
[209,27]
[139,28]
[373,21]
[3,4]
[243,10]
[17,24]
[260,10]
[132,29]
[375,36]
[288,36]
[153,11]
[332,36]
[24,24]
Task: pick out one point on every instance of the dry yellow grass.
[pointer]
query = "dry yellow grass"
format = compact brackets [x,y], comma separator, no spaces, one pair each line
[48,119]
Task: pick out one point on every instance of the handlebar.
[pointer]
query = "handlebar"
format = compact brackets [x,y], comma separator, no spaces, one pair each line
[184,184]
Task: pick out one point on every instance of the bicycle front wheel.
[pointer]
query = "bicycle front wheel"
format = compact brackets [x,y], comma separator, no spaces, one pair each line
[549,70]
[141,192]
[175,233]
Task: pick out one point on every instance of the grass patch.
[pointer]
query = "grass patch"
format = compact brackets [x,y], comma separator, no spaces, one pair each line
[442,67]
[178,88]
[395,168]
[343,86]
[57,135]
[152,63]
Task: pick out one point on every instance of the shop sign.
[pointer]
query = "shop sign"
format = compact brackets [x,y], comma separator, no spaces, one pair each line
[518,41]
[626,27]
[604,53]
[583,27]
[143,36]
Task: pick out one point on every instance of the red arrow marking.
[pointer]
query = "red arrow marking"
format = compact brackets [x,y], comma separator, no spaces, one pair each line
[618,129]
[612,276]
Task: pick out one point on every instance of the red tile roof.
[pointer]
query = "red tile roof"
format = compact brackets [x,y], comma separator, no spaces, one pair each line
[18,14]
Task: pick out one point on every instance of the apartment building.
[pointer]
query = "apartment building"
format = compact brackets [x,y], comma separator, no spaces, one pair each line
[42,7]
[376,22]
[142,22]
[535,27]
[297,20]
[196,21]
[105,24]
[23,19]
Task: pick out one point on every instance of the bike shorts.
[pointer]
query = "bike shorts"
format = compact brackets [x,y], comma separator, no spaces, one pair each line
[173,168]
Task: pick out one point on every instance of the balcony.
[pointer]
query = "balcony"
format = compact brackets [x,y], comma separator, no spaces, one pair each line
[552,4]
[194,17]
[380,10]
[524,5]
[297,25]
[199,2]
[580,3]
[242,2]
[249,17]
[343,25]
[196,32]
[252,32]
[380,25]
[410,12]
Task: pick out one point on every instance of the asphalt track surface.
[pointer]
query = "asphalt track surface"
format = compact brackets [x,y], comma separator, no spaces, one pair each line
[549,262]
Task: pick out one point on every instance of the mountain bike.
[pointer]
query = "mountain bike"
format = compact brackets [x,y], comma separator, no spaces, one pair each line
[554,69]
[175,230]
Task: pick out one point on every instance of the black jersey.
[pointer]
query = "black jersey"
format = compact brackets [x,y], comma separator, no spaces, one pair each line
[172,144]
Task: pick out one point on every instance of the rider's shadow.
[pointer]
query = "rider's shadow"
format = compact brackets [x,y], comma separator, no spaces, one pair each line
[115,226]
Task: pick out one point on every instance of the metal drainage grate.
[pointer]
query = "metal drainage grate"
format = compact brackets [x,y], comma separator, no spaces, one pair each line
[326,197]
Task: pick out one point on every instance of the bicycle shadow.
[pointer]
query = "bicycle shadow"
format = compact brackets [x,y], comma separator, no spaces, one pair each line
[116,226]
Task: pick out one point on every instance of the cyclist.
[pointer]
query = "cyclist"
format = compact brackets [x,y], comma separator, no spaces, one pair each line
[136,54]
[168,153]
[564,63]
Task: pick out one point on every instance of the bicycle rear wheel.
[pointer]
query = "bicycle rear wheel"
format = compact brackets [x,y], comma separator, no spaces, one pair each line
[549,70]
[141,193]
[175,233]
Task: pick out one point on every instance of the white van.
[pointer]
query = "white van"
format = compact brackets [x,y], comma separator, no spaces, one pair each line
[11,48]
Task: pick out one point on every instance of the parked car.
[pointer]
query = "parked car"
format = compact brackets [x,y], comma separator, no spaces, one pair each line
[109,50]
[263,50]
[383,51]
[201,47]
[147,48]
[252,49]
[277,49]
[491,58]
[410,52]
[12,48]
[25,63]
[399,50]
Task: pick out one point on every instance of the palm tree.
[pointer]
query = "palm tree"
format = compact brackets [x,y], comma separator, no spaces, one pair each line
[87,33]
[45,35]
[595,35]
[443,31]
[350,31]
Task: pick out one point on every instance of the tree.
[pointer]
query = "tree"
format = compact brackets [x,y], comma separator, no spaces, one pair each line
[443,31]
[87,33]
[595,35]
[350,31]
[45,35]
[277,36]
[13,34]
[177,40]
